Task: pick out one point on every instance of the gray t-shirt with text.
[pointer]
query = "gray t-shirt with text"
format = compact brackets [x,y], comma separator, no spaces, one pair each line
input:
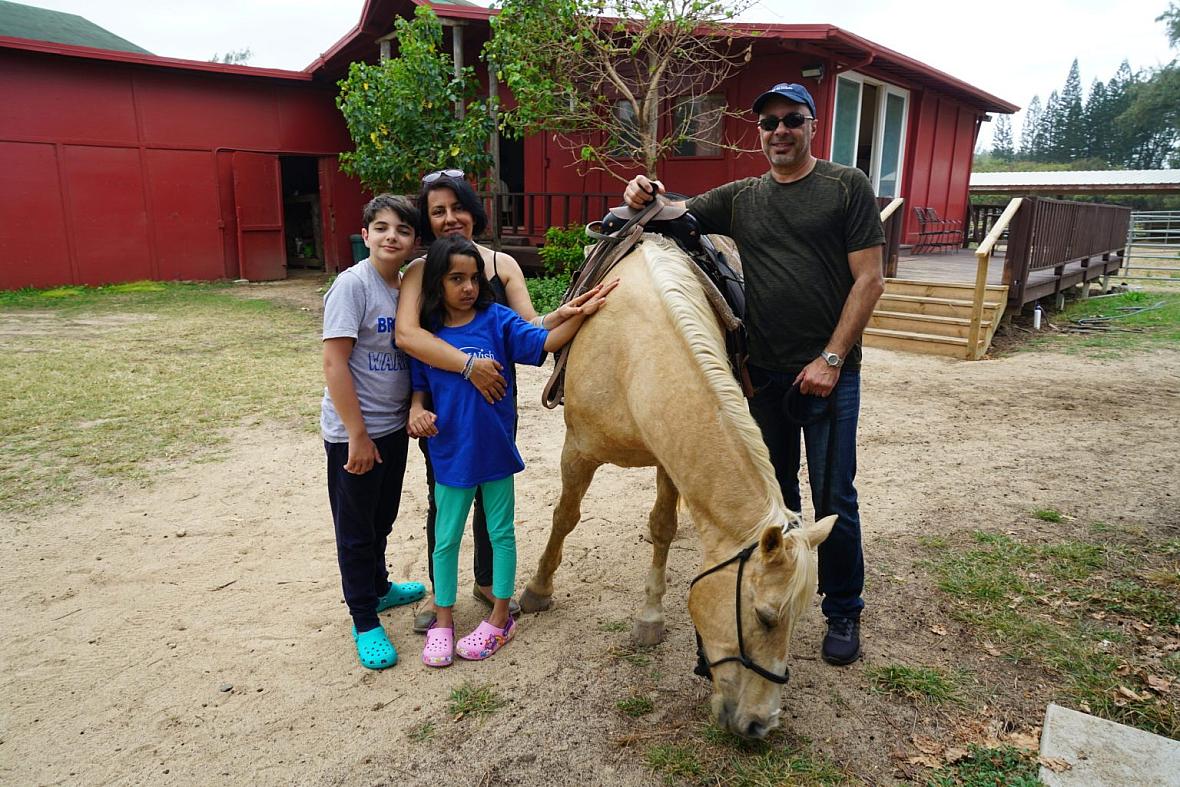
[361,306]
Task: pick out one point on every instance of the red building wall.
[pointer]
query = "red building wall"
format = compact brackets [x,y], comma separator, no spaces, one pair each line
[939,143]
[117,171]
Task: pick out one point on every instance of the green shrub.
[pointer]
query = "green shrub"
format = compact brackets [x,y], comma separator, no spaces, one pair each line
[562,251]
[546,291]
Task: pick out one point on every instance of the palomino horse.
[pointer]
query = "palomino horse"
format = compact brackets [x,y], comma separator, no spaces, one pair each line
[648,383]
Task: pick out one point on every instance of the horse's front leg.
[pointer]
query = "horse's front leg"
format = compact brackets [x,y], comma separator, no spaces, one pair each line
[576,474]
[649,623]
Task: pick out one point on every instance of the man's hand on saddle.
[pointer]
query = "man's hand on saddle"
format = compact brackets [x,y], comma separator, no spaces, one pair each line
[641,191]
[588,302]
[817,378]
[421,423]
[487,379]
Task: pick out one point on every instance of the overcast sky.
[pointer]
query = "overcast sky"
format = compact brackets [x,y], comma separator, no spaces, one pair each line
[1013,49]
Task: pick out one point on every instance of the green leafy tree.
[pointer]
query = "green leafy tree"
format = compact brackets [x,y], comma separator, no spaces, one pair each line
[1047,134]
[1002,139]
[1029,143]
[1119,95]
[600,74]
[1151,120]
[1098,121]
[1171,19]
[1071,134]
[400,112]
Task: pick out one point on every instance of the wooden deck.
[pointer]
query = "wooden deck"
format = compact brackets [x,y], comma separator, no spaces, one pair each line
[959,267]
[956,267]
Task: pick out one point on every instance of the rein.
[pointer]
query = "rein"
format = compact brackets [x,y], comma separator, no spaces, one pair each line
[704,667]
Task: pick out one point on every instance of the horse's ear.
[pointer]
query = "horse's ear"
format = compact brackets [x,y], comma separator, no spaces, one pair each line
[818,533]
[771,544]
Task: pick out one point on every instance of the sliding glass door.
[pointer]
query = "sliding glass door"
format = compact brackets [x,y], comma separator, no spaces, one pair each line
[868,130]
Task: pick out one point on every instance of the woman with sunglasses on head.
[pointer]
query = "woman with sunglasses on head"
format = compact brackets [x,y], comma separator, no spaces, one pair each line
[448,205]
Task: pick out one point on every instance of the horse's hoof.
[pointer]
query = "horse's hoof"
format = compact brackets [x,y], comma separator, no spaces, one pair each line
[647,633]
[530,602]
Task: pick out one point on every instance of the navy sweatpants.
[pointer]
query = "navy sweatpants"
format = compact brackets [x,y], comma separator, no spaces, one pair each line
[363,510]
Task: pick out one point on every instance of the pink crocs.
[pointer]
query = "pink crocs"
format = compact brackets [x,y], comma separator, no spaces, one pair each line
[485,640]
[440,647]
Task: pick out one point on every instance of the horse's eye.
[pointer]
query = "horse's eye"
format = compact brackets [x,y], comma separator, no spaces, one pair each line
[767,617]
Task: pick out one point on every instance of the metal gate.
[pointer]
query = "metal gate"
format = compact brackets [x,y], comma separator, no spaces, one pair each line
[1153,247]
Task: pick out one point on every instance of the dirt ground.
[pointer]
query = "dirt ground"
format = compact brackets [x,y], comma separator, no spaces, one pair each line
[193,632]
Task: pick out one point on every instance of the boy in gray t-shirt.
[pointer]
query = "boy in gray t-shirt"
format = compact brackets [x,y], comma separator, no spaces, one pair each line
[363,421]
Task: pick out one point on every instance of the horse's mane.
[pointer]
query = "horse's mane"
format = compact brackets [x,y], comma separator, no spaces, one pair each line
[690,312]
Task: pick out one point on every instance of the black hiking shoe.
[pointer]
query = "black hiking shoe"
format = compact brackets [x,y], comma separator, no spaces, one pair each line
[842,642]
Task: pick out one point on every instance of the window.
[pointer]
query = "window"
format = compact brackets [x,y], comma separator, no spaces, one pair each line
[699,119]
[868,130]
[627,142]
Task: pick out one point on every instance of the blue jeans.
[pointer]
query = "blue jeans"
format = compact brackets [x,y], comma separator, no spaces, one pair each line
[841,561]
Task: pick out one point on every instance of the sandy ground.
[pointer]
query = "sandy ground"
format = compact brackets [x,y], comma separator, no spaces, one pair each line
[193,632]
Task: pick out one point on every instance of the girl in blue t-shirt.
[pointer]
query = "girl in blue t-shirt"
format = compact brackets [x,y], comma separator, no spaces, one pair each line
[471,441]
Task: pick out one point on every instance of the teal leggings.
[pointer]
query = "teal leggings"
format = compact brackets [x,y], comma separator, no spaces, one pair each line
[454,503]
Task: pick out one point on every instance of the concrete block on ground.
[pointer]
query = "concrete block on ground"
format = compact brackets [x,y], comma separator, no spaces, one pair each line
[1106,753]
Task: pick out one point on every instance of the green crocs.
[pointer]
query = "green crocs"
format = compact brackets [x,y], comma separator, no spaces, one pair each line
[374,649]
[401,593]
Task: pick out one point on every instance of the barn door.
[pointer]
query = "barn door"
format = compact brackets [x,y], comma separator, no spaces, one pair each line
[258,195]
[342,199]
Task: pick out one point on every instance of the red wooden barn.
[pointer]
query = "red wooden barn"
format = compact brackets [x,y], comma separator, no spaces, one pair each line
[121,165]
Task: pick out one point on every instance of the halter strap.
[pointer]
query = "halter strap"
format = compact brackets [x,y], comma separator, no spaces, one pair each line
[704,667]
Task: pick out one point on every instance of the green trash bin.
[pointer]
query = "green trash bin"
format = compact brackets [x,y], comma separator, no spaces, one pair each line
[359,249]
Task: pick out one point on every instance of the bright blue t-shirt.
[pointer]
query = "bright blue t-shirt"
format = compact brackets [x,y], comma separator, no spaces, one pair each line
[474,443]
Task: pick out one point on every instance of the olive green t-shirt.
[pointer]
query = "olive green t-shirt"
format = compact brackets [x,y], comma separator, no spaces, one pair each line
[794,240]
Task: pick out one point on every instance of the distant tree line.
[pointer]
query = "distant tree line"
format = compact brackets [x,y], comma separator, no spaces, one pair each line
[1132,121]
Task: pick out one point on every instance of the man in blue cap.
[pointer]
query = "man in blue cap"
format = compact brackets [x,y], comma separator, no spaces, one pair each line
[810,239]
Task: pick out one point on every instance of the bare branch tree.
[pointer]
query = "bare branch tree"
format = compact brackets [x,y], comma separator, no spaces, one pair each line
[600,75]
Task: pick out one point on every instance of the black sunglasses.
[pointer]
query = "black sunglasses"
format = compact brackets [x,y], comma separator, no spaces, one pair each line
[790,120]
[442,173]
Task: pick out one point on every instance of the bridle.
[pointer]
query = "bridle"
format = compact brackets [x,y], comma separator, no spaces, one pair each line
[704,667]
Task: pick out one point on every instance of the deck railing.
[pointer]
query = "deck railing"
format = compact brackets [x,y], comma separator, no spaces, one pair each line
[1050,233]
[982,257]
[527,215]
[980,220]
[892,221]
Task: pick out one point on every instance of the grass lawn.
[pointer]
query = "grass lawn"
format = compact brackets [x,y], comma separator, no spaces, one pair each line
[117,383]
[1157,325]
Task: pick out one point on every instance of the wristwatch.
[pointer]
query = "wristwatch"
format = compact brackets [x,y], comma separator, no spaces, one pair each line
[833,360]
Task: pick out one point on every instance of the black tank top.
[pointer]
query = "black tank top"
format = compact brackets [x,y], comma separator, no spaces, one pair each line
[499,291]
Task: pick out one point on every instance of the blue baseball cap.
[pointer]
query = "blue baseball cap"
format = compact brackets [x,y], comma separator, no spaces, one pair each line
[792,91]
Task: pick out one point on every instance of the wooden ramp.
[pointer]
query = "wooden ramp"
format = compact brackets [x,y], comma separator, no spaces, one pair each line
[933,317]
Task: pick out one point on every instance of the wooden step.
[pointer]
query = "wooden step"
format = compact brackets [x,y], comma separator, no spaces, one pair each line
[910,341]
[942,289]
[924,323]
[948,307]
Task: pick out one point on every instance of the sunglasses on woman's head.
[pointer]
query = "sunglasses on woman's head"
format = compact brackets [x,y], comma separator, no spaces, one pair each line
[790,120]
[442,173]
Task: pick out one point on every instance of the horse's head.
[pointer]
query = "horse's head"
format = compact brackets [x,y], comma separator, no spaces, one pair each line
[775,581]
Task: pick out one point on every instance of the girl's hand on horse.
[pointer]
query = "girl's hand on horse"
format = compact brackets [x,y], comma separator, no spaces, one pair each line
[588,302]
[485,376]
[421,423]
[362,455]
